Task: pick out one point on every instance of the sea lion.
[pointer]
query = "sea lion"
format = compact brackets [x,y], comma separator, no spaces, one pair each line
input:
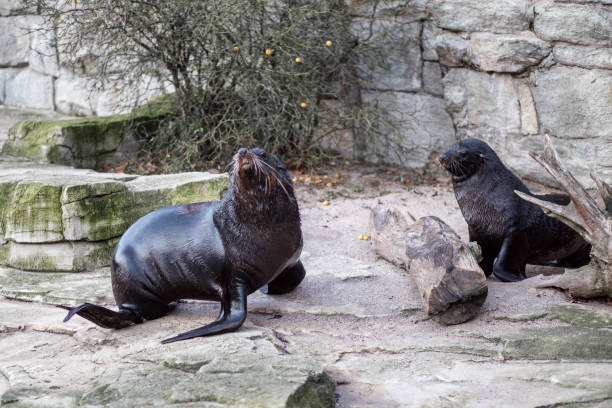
[220,250]
[506,227]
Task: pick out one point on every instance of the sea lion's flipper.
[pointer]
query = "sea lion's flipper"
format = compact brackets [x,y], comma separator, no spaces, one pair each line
[233,314]
[102,316]
[510,266]
[288,280]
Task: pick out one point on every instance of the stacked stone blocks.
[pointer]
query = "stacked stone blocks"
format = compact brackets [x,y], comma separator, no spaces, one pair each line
[55,218]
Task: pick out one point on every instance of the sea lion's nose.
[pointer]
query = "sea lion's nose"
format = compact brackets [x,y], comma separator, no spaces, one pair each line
[442,158]
[242,151]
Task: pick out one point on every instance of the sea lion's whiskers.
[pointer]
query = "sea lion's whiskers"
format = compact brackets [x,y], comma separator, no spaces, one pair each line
[277,176]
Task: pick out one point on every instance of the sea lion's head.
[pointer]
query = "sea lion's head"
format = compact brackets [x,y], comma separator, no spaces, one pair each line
[465,158]
[258,175]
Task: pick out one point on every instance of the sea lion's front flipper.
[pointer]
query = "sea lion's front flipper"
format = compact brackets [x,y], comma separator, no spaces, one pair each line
[510,264]
[288,280]
[233,314]
[102,316]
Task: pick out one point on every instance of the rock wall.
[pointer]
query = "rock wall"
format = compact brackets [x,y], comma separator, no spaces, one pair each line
[31,75]
[504,71]
[507,72]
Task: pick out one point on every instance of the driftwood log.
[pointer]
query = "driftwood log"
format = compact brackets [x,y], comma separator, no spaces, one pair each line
[589,219]
[446,273]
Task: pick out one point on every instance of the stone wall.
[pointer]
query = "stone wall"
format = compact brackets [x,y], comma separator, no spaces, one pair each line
[505,71]
[31,75]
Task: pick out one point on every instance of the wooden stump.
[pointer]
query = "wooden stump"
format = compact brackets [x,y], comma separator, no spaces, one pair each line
[586,216]
[449,280]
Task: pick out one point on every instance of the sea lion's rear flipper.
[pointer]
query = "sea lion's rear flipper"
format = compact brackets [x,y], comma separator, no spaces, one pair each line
[288,280]
[233,314]
[102,316]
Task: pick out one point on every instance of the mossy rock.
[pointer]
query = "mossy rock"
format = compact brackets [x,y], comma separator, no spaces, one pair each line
[32,212]
[558,343]
[103,217]
[56,218]
[86,142]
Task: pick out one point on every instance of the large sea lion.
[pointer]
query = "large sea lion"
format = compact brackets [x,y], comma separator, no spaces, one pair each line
[510,231]
[221,250]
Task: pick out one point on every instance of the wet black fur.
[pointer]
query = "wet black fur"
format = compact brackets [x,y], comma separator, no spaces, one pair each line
[220,250]
[510,231]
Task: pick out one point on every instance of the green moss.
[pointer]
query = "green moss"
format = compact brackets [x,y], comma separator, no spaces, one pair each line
[6,194]
[211,190]
[5,250]
[581,315]
[110,215]
[558,343]
[100,395]
[75,141]
[189,366]
[39,262]
[316,392]
[34,213]
[98,254]
[81,191]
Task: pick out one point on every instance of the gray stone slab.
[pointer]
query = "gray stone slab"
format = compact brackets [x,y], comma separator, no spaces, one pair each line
[29,89]
[585,57]
[504,16]
[432,78]
[398,68]
[481,99]
[574,23]
[423,127]
[14,41]
[557,105]
[509,52]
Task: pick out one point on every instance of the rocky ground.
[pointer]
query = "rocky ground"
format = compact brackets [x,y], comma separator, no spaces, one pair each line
[355,319]
[355,322]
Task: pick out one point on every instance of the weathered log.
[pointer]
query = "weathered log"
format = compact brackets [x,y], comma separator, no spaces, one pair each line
[589,219]
[452,285]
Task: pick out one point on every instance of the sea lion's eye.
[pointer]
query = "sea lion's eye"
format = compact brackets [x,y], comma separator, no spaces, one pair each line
[261,153]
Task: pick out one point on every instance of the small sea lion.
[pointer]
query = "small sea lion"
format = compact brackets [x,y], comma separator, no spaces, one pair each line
[510,231]
[220,250]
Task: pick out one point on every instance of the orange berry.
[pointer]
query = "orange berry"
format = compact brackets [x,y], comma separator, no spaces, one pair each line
[268,51]
[235,48]
[303,104]
[337,175]
[298,60]
[326,203]
[329,43]
[332,163]
[295,179]
[360,237]
[366,238]
[325,177]
[334,181]
[329,184]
